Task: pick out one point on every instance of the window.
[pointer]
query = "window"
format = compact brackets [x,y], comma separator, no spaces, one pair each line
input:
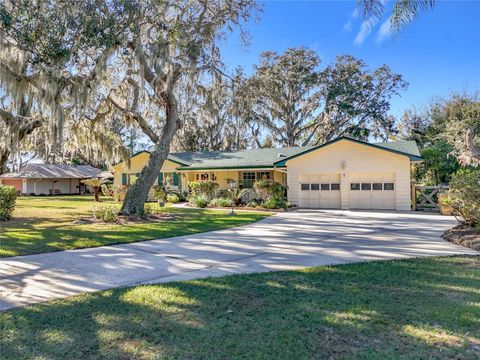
[248,178]
[377,186]
[355,186]
[325,186]
[305,187]
[388,186]
[366,186]
[314,186]
[204,176]
[334,186]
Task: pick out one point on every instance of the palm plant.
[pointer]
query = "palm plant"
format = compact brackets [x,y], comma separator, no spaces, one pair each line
[235,195]
[403,13]
[95,184]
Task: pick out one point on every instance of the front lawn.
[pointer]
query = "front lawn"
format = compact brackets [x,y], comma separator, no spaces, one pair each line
[411,309]
[45,224]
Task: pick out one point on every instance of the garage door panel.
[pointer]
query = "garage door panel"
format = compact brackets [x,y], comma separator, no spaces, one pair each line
[312,195]
[367,191]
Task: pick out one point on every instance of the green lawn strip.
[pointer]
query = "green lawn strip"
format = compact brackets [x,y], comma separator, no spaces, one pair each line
[412,309]
[45,224]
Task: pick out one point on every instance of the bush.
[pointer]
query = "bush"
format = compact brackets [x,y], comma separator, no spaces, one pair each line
[253,203]
[148,210]
[105,213]
[200,201]
[464,196]
[119,192]
[159,193]
[203,188]
[221,202]
[275,203]
[107,189]
[173,198]
[267,189]
[8,196]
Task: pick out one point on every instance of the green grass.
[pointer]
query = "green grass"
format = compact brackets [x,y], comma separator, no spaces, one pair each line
[411,309]
[45,224]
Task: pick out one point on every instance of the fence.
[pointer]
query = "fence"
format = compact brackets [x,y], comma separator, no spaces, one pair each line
[425,198]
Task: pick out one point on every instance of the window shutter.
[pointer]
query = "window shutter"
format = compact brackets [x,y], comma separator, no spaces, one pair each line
[160,179]
[124,179]
[175,179]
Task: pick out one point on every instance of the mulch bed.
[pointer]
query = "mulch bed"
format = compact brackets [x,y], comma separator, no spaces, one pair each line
[464,235]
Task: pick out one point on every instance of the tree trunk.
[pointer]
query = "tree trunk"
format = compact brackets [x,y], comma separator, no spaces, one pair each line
[474,151]
[4,154]
[137,193]
[96,193]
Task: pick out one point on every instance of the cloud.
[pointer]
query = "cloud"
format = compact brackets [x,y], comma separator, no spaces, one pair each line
[385,31]
[365,30]
[348,26]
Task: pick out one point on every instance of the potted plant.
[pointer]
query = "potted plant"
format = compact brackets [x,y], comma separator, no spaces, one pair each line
[445,204]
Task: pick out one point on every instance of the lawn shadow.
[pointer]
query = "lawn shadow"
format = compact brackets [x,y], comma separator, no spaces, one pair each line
[387,309]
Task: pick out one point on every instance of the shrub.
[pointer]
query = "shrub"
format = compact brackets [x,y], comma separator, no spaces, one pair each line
[221,202]
[275,203]
[107,189]
[173,198]
[148,210]
[105,213]
[464,196]
[160,193]
[8,196]
[119,192]
[267,189]
[200,201]
[253,203]
[204,188]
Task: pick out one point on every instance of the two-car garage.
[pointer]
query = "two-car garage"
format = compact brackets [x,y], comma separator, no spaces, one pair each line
[364,191]
[352,174]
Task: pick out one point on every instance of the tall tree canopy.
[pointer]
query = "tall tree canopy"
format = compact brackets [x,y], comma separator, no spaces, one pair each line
[92,61]
[299,104]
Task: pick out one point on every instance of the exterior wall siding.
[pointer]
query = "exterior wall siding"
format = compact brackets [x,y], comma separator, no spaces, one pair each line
[344,158]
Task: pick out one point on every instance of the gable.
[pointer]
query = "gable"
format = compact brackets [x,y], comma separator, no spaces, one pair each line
[381,147]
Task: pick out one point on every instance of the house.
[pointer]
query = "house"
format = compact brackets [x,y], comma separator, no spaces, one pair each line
[48,179]
[342,174]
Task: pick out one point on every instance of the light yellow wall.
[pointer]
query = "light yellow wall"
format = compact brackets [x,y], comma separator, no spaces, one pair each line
[137,163]
[358,159]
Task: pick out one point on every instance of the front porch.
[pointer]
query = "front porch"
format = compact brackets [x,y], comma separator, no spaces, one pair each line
[244,178]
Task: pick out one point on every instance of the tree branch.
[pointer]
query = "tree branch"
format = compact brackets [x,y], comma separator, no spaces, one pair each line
[474,151]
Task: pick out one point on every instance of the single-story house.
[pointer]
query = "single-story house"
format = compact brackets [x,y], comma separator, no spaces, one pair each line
[52,179]
[342,174]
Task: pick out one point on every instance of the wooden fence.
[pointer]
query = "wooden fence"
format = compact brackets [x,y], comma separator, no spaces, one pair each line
[425,198]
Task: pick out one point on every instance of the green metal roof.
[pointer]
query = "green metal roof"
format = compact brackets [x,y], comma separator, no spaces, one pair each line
[253,158]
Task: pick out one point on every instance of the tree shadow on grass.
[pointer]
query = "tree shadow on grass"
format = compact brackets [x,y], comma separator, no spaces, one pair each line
[401,309]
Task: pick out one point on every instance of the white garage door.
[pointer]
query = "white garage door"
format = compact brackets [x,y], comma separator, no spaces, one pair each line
[321,191]
[372,191]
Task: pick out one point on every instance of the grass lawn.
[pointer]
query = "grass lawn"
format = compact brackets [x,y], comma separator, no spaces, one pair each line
[44,224]
[412,309]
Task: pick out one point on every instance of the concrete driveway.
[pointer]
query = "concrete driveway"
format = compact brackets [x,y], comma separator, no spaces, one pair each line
[283,241]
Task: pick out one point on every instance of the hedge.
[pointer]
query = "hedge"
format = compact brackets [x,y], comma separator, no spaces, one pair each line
[8,196]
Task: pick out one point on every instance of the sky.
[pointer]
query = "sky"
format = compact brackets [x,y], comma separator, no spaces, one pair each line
[437,54]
